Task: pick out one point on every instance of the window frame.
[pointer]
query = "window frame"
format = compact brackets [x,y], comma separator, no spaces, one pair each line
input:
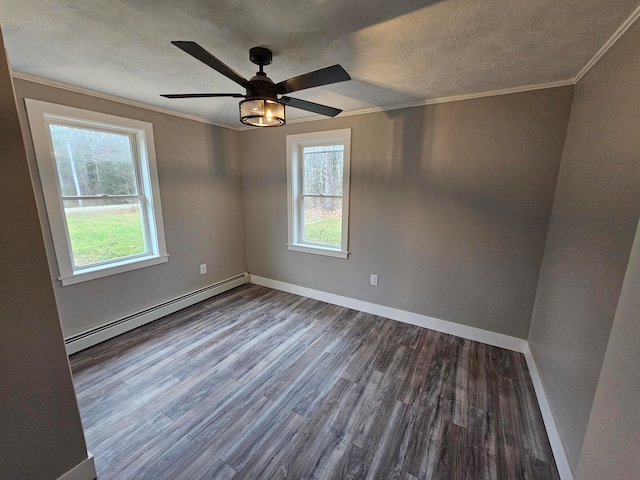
[41,115]
[295,212]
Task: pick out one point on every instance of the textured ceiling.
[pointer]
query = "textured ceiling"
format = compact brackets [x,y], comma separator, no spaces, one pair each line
[398,53]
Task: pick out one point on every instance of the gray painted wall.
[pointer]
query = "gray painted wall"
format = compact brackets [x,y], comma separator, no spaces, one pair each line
[610,448]
[201,191]
[592,227]
[450,205]
[40,431]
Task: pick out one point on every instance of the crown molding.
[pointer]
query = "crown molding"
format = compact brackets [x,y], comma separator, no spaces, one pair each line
[467,96]
[608,44]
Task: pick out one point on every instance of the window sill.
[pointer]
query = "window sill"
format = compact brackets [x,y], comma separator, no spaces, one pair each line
[328,252]
[113,269]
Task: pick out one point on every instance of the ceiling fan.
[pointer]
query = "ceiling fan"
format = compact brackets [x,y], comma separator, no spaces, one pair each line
[264,101]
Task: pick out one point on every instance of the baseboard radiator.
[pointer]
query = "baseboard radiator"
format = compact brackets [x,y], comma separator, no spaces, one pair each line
[93,336]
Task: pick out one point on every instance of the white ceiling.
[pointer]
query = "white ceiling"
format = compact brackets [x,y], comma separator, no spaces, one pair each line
[398,53]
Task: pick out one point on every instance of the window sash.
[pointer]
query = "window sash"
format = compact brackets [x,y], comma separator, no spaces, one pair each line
[301,220]
[307,157]
[319,195]
[134,144]
[305,238]
[144,220]
[295,185]
[141,195]
[98,197]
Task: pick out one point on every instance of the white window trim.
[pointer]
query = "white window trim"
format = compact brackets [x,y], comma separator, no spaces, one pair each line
[38,112]
[294,146]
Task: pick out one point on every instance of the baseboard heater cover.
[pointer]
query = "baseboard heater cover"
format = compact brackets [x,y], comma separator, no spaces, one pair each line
[93,336]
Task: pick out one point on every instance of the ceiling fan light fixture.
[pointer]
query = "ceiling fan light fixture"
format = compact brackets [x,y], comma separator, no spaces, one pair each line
[262,107]
[260,112]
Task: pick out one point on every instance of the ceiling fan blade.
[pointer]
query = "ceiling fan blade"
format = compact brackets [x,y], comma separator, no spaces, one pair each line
[201,95]
[324,76]
[196,51]
[310,106]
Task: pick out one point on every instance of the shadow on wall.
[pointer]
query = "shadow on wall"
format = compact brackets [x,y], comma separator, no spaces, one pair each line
[408,155]
[459,195]
[204,153]
[432,153]
[222,159]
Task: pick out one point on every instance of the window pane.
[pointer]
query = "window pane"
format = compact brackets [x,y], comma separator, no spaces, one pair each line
[102,230]
[91,162]
[323,170]
[322,220]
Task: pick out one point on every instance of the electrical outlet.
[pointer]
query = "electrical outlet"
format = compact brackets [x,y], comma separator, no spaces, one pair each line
[203,269]
[373,280]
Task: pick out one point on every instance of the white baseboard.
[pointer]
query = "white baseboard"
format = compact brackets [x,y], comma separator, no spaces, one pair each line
[99,334]
[85,470]
[559,452]
[464,331]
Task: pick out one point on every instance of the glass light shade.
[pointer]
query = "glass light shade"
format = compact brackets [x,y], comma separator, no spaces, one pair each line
[262,113]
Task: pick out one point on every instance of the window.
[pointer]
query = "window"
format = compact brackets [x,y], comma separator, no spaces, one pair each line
[318,191]
[100,185]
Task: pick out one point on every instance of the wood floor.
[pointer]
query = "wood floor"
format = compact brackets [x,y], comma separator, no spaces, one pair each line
[261,384]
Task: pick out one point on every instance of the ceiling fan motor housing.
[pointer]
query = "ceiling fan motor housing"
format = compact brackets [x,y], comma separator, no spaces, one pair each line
[260,56]
[261,87]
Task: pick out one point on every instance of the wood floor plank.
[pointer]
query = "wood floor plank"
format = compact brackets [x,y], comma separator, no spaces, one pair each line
[425,440]
[417,368]
[326,434]
[332,430]
[258,383]
[452,459]
[390,455]
[266,460]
